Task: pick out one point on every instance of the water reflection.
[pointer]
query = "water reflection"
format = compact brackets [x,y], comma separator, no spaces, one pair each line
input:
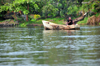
[34,46]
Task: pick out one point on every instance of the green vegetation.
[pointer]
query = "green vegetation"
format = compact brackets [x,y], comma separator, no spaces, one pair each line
[83,22]
[97,14]
[57,20]
[51,10]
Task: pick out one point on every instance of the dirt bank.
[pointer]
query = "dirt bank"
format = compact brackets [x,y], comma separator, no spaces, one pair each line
[94,20]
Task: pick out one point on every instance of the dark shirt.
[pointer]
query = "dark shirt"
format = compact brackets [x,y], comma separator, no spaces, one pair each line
[71,22]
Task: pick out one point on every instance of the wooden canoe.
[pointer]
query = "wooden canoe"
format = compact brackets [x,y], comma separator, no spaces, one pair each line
[52,26]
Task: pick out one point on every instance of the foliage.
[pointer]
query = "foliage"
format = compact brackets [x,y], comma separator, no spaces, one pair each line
[91,6]
[72,9]
[33,20]
[97,14]
[57,20]
[18,5]
[49,8]
[36,16]
[23,24]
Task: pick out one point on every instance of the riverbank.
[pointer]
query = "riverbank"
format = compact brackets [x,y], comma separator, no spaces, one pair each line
[83,22]
[62,21]
[57,20]
[11,23]
[91,20]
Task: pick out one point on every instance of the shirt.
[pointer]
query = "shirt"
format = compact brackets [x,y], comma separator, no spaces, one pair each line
[70,22]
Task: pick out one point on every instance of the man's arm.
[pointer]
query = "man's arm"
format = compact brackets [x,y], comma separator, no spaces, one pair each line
[68,21]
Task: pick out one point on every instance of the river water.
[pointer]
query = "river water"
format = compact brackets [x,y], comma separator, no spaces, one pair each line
[34,46]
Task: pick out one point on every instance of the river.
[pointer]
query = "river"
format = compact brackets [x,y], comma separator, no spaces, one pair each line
[34,46]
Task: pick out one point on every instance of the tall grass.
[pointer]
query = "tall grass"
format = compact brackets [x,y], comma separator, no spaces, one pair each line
[83,22]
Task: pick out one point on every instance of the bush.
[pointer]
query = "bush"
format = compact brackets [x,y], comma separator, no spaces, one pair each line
[33,20]
[23,24]
[36,16]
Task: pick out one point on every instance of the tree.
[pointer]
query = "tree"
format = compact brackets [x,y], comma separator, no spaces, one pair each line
[20,5]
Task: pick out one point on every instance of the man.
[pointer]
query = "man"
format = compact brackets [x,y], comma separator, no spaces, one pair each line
[70,21]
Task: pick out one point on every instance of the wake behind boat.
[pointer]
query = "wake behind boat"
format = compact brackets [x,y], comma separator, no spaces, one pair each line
[52,26]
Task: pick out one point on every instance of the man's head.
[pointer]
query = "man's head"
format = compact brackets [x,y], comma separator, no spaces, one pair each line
[69,18]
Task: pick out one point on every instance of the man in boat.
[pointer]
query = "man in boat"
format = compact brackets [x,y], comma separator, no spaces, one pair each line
[70,21]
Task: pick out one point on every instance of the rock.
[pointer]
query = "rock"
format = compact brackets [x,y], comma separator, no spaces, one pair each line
[93,20]
[24,16]
[8,23]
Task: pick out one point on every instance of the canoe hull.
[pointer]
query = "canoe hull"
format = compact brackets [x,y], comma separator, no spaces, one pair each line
[52,26]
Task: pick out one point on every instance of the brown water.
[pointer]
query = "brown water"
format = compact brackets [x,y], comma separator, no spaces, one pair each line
[33,46]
